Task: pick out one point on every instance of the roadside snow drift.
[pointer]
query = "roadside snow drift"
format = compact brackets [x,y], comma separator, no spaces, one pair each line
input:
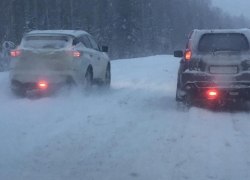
[132,131]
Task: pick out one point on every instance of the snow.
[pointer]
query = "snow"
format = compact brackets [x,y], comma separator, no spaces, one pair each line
[74,33]
[133,131]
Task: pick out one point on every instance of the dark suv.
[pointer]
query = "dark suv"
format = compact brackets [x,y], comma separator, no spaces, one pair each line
[215,67]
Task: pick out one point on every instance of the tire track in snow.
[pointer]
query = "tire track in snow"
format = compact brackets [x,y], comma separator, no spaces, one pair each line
[141,137]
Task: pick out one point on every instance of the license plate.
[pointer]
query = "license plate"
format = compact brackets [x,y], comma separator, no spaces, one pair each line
[234,93]
[223,69]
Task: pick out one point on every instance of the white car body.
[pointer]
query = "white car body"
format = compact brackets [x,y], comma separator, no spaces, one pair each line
[56,56]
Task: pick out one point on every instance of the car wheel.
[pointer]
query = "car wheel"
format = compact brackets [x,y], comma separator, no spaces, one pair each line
[188,101]
[246,106]
[1,68]
[184,103]
[178,96]
[88,79]
[18,92]
[107,80]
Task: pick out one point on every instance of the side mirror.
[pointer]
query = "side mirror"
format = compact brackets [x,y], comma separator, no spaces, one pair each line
[105,49]
[178,54]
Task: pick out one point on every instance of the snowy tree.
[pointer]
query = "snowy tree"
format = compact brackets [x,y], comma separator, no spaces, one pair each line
[131,28]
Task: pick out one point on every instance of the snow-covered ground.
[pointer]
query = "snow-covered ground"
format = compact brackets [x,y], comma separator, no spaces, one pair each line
[133,131]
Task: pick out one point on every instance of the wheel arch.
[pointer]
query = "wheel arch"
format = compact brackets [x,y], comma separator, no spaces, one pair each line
[90,68]
[108,66]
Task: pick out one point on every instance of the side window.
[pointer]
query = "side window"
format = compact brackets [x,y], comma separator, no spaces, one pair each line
[188,45]
[93,43]
[76,41]
[85,41]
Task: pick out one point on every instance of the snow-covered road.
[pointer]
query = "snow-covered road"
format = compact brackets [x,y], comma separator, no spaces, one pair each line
[133,131]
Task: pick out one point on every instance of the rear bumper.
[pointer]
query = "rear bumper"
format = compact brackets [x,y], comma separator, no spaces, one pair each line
[191,76]
[32,87]
[229,87]
[223,93]
[28,82]
[52,77]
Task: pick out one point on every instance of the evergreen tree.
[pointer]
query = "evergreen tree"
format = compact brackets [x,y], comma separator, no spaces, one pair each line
[130,27]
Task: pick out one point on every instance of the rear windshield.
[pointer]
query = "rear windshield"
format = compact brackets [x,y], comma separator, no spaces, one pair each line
[46,42]
[223,42]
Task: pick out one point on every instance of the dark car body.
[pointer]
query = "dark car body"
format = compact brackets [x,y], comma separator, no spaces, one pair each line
[215,66]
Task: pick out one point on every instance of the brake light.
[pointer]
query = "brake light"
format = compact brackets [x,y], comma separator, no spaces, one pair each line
[42,85]
[15,53]
[212,94]
[188,55]
[76,54]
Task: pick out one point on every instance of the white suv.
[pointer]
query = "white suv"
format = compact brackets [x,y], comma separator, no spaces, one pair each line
[46,59]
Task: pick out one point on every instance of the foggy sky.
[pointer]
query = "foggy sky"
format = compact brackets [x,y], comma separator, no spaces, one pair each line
[234,7]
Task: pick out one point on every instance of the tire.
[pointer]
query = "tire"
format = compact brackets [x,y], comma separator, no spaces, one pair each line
[246,106]
[178,97]
[188,100]
[107,80]
[1,67]
[88,79]
[18,92]
[182,107]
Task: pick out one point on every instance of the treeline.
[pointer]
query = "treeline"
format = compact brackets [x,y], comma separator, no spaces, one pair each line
[130,27]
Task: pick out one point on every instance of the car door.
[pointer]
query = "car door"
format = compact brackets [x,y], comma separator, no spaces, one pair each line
[91,54]
[77,61]
[100,61]
[81,63]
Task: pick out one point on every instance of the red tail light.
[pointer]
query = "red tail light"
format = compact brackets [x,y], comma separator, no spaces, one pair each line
[188,55]
[76,54]
[212,94]
[15,53]
[42,85]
